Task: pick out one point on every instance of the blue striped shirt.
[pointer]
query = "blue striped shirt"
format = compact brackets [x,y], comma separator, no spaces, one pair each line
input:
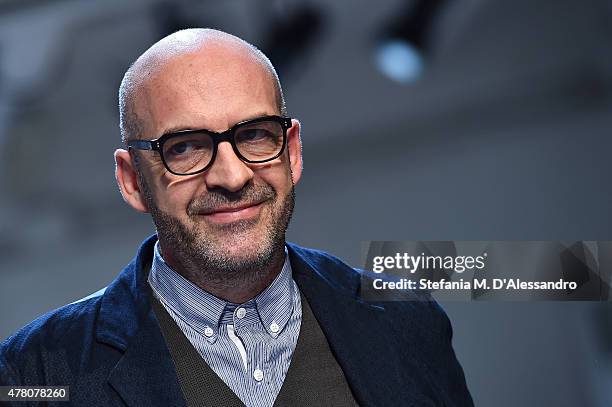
[249,346]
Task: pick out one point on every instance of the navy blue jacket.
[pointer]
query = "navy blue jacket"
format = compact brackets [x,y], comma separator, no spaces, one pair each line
[109,348]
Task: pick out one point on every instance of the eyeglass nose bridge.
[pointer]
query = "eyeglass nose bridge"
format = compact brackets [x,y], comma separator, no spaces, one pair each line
[227,135]
[217,138]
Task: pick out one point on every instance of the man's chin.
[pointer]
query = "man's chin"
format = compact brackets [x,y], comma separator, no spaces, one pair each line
[243,245]
[233,229]
[240,256]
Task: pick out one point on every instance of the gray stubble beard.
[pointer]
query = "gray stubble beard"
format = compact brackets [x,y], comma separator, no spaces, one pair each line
[205,263]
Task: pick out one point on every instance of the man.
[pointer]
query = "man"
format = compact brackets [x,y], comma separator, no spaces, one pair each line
[217,309]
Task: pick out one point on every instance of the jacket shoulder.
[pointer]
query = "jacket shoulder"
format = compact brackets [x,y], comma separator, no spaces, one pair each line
[48,340]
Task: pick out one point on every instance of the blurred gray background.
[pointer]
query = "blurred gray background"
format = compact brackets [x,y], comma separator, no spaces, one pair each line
[422,120]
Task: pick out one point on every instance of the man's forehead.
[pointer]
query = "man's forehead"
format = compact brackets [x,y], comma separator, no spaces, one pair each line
[201,64]
[196,54]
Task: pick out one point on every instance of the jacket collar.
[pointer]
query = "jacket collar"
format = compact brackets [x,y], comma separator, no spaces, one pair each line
[126,301]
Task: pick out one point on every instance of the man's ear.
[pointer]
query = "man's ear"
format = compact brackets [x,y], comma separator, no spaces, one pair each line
[127,179]
[294,145]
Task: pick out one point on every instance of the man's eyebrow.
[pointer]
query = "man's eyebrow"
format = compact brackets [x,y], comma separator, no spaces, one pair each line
[177,128]
[253,116]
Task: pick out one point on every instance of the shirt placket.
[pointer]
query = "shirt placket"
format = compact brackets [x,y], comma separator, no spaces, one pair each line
[252,334]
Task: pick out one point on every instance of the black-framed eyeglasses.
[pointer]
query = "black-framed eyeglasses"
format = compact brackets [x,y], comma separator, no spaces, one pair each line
[190,152]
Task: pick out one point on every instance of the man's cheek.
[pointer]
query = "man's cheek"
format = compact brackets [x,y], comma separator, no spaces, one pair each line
[174,207]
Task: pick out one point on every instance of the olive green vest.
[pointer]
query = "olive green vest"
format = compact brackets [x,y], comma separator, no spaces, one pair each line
[314,377]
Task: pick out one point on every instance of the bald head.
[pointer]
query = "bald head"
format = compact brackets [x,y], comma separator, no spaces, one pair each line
[187,60]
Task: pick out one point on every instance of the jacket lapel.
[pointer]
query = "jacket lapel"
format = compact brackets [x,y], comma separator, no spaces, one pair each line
[351,328]
[145,375]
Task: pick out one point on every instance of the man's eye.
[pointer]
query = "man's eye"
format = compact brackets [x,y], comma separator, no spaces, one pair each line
[184,147]
[255,135]
[179,148]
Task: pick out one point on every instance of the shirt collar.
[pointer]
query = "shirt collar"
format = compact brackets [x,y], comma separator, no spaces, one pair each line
[275,302]
[203,311]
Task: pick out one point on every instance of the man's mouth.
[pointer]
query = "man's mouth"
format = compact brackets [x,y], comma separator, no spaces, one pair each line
[232,213]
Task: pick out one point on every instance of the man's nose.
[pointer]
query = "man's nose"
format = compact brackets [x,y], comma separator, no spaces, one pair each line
[228,171]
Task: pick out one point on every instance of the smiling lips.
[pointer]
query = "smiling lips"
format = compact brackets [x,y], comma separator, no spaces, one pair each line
[227,214]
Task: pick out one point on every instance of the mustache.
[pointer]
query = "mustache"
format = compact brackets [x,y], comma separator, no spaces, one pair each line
[250,194]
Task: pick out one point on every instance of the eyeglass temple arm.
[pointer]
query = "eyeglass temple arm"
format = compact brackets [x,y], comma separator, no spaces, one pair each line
[142,144]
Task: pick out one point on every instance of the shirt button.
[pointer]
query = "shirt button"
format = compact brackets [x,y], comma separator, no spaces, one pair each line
[274,327]
[258,375]
[241,313]
[208,332]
